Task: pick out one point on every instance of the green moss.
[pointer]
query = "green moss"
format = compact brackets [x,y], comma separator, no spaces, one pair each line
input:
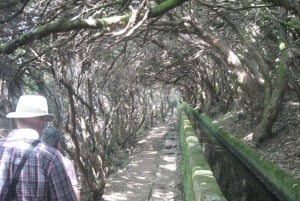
[164,6]
[198,180]
[276,177]
[185,173]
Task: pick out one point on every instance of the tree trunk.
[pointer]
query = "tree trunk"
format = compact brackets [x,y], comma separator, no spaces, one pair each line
[264,130]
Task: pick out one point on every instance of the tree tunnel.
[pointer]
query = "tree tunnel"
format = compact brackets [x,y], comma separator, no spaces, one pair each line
[110,69]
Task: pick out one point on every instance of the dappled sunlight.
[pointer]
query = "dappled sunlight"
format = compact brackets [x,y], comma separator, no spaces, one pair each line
[232,58]
[125,177]
[191,142]
[91,22]
[203,172]
[115,196]
[151,152]
[128,184]
[132,165]
[151,172]
[135,185]
[156,132]
[242,76]
[126,190]
[225,117]
[169,158]
[156,135]
[141,141]
[170,167]
[141,178]
[145,172]
[291,103]
[121,170]
[248,138]
[206,173]
[163,195]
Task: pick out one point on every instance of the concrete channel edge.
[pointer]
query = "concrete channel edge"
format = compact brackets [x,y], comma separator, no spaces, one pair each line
[287,187]
[199,182]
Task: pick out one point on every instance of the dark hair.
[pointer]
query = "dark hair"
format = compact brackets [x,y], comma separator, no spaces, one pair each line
[52,136]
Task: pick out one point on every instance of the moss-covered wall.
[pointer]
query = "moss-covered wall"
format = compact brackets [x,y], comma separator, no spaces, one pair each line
[198,180]
[287,187]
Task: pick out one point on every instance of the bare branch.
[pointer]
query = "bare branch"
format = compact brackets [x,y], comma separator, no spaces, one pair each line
[62,26]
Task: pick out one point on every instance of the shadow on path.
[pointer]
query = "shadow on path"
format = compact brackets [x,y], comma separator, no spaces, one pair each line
[152,172]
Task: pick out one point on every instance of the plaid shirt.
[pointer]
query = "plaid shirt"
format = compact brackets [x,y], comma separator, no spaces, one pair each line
[43,176]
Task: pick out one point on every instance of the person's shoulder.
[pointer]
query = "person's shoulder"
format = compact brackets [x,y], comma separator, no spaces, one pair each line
[45,150]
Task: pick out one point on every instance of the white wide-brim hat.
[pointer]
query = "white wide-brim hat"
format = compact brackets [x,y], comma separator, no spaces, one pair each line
[30,106]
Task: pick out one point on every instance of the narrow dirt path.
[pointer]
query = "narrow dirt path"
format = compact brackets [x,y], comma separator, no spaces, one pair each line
[152,173]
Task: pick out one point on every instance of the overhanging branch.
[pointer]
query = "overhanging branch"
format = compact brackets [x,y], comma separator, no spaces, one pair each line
[64,25]
[61,26]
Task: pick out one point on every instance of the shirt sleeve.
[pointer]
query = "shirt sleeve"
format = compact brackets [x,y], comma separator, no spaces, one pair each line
[60,185]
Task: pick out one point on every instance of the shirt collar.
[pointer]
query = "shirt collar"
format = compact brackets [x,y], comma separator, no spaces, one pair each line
[24,133]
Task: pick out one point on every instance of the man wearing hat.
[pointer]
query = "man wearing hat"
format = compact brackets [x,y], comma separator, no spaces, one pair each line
[30,170]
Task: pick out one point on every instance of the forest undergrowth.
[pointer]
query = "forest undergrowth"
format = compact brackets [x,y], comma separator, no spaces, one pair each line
[283,149]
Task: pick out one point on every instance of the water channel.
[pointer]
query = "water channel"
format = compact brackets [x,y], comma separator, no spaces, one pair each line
[237,182]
